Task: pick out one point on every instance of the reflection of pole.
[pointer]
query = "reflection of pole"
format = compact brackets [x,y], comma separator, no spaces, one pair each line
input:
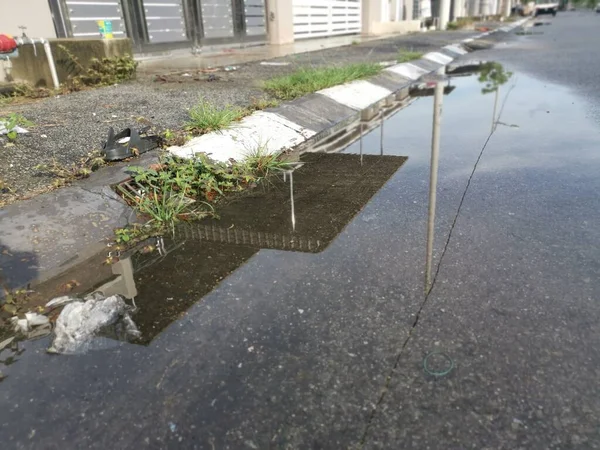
[292,199]
[495,109]
[381,139]
[361,143]
[433,173]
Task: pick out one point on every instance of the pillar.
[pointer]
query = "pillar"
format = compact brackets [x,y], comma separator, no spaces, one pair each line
[371,14]
[444,14]
[280,22]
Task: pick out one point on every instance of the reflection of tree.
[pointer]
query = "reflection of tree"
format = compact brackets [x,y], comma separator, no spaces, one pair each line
[492,75]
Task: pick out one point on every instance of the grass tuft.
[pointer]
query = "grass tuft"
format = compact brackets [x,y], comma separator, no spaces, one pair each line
[312,79]
[206,117]
[262,163]
[408,55]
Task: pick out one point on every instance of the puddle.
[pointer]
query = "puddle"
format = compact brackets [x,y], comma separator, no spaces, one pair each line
[304,291]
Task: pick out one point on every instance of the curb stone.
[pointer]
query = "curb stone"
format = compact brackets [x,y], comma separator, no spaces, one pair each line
[63,228]
[301,122]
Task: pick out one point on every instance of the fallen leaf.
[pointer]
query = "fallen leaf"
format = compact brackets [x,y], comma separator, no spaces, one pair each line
[11,309]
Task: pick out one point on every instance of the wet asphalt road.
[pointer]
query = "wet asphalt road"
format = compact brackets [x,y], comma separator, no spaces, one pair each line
[321,351]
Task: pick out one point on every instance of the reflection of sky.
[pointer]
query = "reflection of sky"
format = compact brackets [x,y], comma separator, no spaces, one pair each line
[541,140]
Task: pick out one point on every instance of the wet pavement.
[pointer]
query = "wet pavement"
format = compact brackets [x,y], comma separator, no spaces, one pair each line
[320,347]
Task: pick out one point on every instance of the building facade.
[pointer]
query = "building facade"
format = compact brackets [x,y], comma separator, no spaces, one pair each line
[155,25]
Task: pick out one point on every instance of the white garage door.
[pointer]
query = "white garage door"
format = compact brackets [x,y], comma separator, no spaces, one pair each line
[315,18]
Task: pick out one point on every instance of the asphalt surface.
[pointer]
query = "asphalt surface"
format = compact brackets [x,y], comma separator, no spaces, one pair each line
[326,351]
[68,128]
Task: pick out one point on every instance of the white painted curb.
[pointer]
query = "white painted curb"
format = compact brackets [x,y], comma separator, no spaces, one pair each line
[271,132]
[357,95]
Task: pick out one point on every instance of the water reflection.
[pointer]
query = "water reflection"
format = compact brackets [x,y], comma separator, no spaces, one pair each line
[492,75]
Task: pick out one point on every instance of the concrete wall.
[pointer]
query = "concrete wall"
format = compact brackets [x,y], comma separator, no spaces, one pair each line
[373,13]
[34,69]
[33,14]
[405,26]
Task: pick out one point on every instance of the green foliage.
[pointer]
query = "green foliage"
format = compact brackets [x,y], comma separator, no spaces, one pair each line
[260,103]
[195,177]
[11,122]
[452,26]
[262,163]
[166,207]
[107,71]
[206,117]
[100,72]
[492,75]
[312,79]
[408,55]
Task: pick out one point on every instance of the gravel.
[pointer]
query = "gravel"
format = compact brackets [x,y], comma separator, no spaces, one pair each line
[70,126]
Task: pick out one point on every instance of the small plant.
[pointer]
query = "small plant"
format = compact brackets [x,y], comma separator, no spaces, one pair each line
[175,137]
[408,55]
[165,208]
[135,233]
[263,163]
[11,122]
[355,42]
[206,117]
[312,79]
[258,104]
[452,26]
[66,174]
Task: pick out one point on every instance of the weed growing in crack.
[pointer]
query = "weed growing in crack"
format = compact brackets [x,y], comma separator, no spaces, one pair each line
[260,103]
[408,55]
[206,117]
[263,163]
[66,174]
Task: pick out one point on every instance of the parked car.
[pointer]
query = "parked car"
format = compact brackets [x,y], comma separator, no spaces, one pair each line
[598,8]
[545,7]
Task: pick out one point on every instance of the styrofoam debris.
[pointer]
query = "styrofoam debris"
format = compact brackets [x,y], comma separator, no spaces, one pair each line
[35,319]
[273,63]
[59,301]
[4,130]
[81,321]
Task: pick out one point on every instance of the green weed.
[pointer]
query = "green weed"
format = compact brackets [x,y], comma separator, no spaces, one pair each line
[260,103]
[11,122]
[262,163]
[206,117]
[408,55]
[312,79]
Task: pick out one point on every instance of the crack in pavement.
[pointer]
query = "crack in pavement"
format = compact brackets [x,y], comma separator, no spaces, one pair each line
[388,380]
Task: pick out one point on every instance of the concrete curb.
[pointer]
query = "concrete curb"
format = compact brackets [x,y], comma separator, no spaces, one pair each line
[53,232]
[306,120]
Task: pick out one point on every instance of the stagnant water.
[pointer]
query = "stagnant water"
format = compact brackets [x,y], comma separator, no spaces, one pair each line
[267,331]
